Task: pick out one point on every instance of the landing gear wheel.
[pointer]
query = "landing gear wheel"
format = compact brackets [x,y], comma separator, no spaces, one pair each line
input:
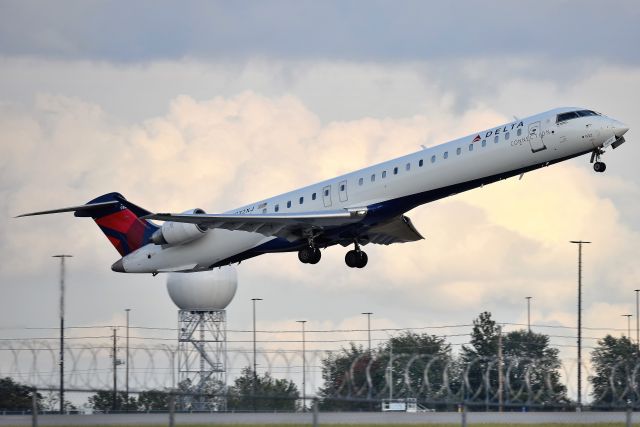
[309,255]
[315,256]
[599,167]
[351,258]
[356,259]
[362,259]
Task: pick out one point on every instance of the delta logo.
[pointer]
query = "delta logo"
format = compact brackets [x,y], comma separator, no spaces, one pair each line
[477,138]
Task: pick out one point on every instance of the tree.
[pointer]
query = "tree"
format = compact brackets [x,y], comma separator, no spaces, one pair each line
[480,360]
[354,378]
[346,386]
[51,403]
[530,367]
[102,401]
[615,362]
[153,400]
[419,365]
[271,394]
[15,396]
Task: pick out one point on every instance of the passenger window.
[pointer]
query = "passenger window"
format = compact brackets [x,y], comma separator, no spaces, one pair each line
[408,166]
[289,204]
[384,174]
[360,181]
[373,178]
[506,136]
[458,151]
[264,211]
[301,200]
[433,159]
[313,196]
[470,147]
[341,187]
[420,163]
[326,192]
[395,171]
[495,139]
[446,155]
[519,132]
[484,142]
[276,208]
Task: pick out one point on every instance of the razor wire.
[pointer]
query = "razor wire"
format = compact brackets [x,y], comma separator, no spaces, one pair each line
[369,377]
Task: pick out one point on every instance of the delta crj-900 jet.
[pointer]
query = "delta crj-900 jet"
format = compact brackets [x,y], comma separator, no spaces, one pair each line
[362,207]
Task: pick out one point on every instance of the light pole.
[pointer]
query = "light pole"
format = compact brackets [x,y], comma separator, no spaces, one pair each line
[579,243]
[62,274]
[126,364]
[637,321]
[368,314]
[304,368]
[628,316]
[255,364]
[529,313]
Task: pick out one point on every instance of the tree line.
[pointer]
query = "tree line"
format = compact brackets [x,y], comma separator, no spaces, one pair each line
[494,370]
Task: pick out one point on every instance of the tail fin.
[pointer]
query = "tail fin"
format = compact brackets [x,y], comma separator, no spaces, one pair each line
[121,222]
[118,218]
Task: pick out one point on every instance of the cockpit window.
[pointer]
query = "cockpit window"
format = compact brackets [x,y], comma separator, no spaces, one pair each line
[574,115]
[566,116]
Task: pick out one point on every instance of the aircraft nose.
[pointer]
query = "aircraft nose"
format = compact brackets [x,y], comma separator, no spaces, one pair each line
[619,128]
[118,266]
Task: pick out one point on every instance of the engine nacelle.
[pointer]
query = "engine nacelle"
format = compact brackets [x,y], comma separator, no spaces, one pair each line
[178,233]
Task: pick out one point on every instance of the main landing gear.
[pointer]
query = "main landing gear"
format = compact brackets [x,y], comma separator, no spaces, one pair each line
[598,166]
[309,255]
[356,258]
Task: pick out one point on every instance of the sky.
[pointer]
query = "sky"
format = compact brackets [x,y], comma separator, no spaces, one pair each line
[218,104]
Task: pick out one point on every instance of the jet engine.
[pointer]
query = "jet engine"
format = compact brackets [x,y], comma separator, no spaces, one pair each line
[178,233]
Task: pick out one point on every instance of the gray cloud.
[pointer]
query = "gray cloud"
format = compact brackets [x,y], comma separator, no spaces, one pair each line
[352,30]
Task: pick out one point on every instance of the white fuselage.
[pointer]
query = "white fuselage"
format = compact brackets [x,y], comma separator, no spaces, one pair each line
[491,154]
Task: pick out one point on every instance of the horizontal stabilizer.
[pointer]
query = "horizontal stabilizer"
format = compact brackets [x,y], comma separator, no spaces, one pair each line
[81,208]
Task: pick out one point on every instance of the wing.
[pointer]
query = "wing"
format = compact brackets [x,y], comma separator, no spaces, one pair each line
[288,226]
[397,230]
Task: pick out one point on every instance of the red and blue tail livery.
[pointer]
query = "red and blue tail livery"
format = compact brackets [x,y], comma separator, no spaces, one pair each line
[119,219]
[120,222]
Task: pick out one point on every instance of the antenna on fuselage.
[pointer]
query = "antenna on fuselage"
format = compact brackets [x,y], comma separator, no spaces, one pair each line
[423,146]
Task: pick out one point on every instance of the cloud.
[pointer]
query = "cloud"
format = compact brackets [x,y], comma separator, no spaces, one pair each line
[361,31]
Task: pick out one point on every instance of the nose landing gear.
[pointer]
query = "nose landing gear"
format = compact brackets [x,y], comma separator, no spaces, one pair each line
[598,166]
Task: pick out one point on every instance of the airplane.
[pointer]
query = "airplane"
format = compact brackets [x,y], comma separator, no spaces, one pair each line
[358,208]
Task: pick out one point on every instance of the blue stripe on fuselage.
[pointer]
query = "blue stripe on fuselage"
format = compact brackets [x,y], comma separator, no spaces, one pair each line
[380,212]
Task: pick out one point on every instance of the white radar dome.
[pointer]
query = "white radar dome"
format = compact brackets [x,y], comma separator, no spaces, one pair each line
[203,291]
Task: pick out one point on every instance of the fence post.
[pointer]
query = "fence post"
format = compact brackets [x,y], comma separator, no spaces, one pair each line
[315,412]
[464,414]
[628,417]
[172,410]
[34,408]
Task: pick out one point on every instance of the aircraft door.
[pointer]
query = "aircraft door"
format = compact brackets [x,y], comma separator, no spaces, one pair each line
[535,137]
[343,191]
[326,196]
